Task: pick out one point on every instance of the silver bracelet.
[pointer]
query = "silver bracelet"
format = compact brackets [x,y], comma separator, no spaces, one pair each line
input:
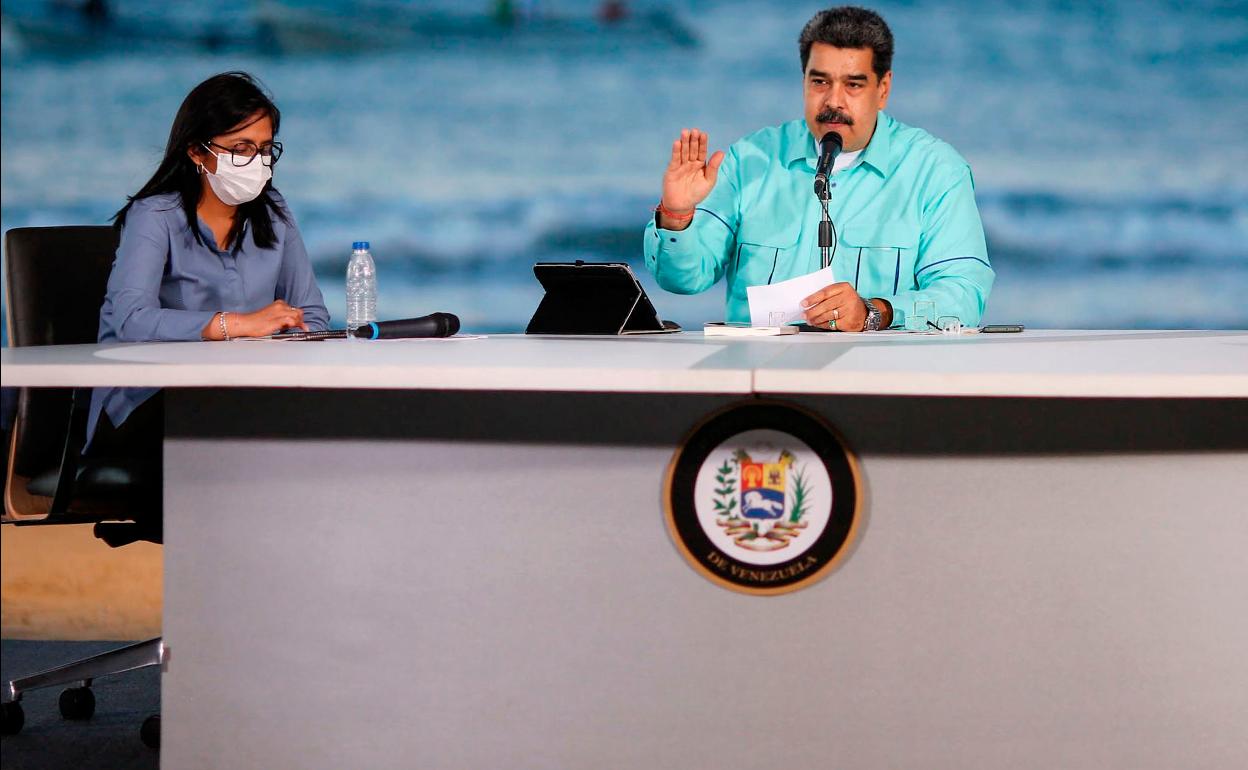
[225,332]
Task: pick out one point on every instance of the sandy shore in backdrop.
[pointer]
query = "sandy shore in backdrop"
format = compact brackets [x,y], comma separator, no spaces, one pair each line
[62,583]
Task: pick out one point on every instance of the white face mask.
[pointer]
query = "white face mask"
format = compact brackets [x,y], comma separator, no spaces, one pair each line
[236,185]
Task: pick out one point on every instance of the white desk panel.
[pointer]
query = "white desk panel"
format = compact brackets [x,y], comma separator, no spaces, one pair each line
[1064,364]
[427,574]
[675,364]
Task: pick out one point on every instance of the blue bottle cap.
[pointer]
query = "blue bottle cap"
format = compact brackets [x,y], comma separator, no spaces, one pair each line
[359,245]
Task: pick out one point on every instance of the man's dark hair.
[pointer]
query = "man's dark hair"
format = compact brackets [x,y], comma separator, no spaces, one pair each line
[849,26]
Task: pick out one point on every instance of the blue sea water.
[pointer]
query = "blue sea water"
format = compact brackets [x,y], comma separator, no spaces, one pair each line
[1106,141]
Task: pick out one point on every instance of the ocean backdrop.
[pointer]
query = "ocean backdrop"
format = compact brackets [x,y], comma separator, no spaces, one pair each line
[1106,139]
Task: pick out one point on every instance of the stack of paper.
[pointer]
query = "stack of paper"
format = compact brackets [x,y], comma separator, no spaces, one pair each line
[745,330]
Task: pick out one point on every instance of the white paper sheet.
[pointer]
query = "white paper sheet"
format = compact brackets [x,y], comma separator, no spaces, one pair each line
[781,303]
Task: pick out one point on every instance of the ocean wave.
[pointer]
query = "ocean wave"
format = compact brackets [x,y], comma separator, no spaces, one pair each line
[1036,228]
[1105,138]
[1046,229]
[1043,230]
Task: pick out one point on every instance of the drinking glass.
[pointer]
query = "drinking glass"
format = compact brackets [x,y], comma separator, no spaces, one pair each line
[924,311]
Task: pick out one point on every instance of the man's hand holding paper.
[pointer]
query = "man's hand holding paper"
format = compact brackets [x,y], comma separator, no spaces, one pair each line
[816,298]
[785,302]
[836,306]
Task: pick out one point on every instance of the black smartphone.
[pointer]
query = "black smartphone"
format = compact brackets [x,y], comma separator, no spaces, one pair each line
[1001,328]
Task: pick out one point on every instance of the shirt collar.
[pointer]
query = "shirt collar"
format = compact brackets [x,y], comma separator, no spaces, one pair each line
[210,240]
[878,152]
[801,145]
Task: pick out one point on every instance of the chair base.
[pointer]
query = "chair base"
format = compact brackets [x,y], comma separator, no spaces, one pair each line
[128,658]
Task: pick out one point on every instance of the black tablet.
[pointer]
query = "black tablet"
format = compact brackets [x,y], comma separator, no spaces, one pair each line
[603,298]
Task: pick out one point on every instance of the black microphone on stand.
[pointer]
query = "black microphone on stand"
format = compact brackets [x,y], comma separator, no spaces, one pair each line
[830,146]
[432,325]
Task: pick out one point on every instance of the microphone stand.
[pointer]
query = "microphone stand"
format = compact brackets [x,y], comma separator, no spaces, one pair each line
[823,192]
[830,146]
[827,233]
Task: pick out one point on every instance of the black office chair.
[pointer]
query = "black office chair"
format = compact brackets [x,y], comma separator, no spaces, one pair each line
[56,278]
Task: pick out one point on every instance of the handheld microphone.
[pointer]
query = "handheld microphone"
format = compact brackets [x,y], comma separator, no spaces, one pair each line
[830,146]
[432,325]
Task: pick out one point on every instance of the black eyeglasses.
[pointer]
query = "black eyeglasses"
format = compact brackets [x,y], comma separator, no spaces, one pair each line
[243,153]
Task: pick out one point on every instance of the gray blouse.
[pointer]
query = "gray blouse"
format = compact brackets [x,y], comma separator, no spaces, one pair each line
[165,285]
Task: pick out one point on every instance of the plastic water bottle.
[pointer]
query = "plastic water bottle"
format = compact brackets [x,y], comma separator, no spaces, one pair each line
[361,287]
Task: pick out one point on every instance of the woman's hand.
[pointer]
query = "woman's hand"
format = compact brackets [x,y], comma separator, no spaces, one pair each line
[270,319]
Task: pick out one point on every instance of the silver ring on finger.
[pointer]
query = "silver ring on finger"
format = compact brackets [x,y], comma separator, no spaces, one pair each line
[836,314]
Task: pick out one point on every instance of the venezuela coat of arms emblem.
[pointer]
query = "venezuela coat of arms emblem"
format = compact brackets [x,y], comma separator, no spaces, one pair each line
[762,498]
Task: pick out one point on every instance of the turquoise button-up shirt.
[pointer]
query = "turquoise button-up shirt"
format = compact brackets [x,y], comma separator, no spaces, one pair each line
[905,217]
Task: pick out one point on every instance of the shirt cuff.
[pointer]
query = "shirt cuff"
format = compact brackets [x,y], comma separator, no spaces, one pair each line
[671,243]
[187,325]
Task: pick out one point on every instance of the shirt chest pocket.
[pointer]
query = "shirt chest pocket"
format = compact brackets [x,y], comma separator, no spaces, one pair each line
[763,253]
[878,257]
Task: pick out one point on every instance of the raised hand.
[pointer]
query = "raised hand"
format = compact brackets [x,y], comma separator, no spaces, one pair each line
[688,179]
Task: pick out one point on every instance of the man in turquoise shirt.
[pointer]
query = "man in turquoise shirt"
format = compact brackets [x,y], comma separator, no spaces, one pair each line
[902,201]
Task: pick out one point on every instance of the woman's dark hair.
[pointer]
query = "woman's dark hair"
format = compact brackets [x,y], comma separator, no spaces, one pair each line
[850,27]
[214,107]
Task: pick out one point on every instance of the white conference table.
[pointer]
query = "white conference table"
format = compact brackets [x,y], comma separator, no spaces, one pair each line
[450,554]
[1060,364]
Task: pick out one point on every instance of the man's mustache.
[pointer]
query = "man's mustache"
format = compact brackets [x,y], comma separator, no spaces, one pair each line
[833,115]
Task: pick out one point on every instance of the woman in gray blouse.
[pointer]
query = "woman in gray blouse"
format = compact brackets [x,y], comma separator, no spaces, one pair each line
[209,249]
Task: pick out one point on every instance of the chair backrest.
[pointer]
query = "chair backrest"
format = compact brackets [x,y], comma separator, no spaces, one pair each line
[56,278]
[55,281]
